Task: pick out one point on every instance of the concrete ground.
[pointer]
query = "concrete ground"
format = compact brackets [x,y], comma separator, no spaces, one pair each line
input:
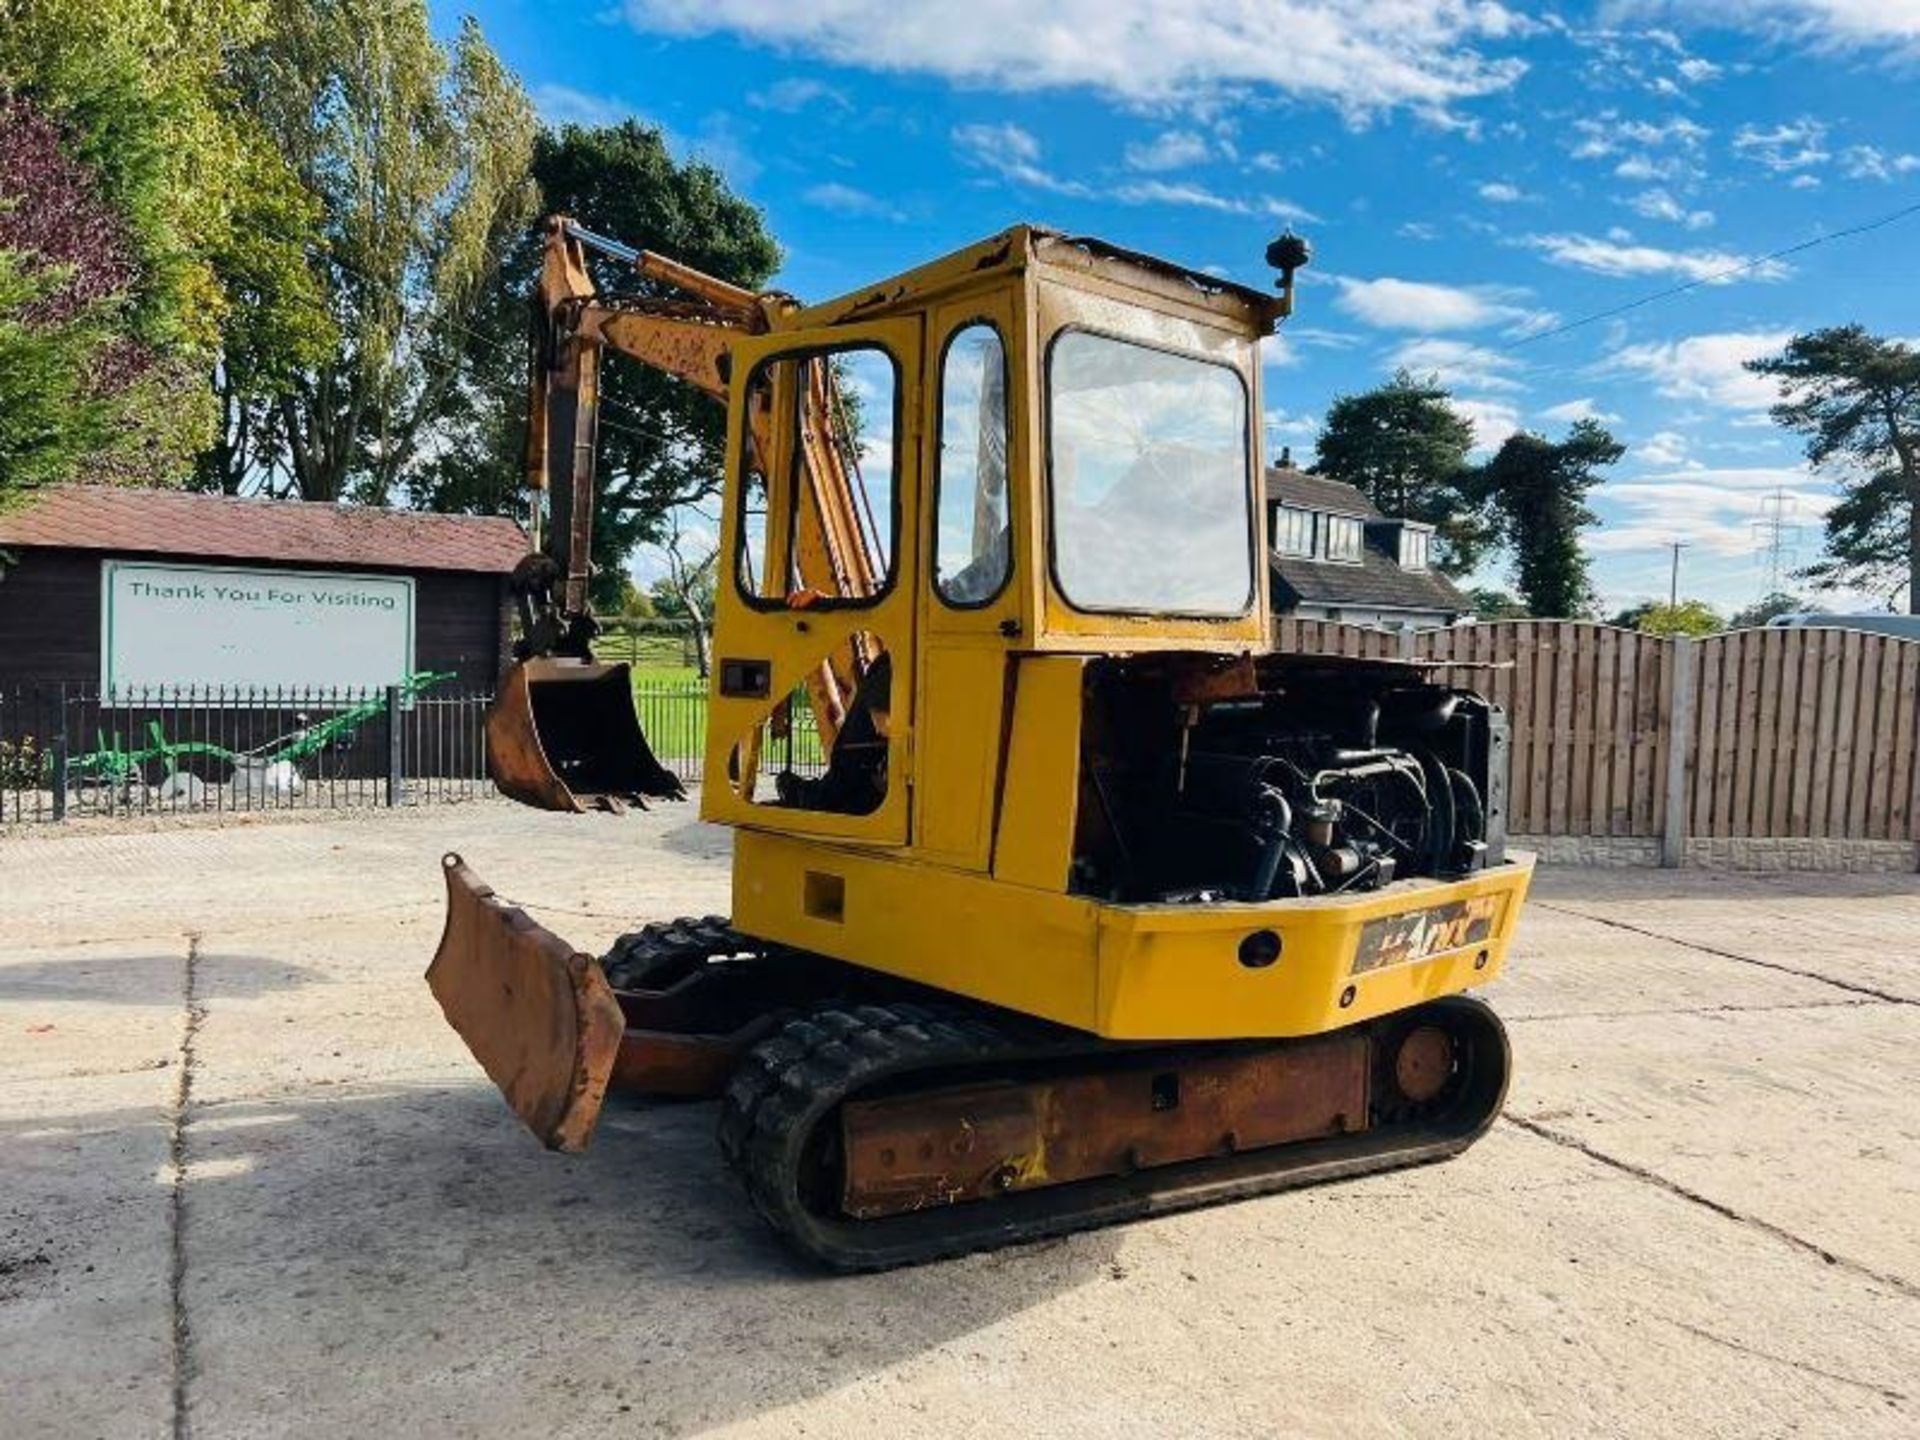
[250,1184]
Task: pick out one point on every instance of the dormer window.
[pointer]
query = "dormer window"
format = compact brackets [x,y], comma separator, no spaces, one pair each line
[1292,530]
[1415,547]
[1345,536]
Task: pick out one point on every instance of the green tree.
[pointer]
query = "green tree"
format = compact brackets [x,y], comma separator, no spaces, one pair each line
[1405,448]
[142,98]
[1770,607]
[417,156]
[1491,604]
[49,422]
[1537,493]
[1689,617]
[1856,399]
[662,443]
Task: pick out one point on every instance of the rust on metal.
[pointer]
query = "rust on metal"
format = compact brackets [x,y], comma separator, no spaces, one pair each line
[685,1067]
[538,1016]
[1423,1063]
[563,735]
[927,1148]
[1235,679]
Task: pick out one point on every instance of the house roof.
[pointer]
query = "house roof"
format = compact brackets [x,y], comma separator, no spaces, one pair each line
[1288,486]
[1378,580]
[175,522]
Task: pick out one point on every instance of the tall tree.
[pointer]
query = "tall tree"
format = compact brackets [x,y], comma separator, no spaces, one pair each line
[662,443]
[127,167]
[417,156]
[1537,493]
[1856,399]
[1405,448]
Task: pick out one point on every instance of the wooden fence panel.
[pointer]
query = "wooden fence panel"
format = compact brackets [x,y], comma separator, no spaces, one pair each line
[1794,733]
[1806,734]
[1334,637]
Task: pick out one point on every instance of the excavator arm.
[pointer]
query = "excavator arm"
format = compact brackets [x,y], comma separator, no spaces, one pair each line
[563,733]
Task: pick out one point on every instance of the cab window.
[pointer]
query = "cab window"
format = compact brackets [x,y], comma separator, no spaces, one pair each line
[820,513]
[972,541]
[1147,470]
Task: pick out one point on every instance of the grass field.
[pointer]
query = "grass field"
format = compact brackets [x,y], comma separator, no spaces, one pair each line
[671,700]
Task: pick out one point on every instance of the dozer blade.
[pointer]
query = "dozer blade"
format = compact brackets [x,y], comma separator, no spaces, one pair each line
[538,1016]
[563,735]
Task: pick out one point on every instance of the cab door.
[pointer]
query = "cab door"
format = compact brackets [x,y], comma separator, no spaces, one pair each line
[810,718]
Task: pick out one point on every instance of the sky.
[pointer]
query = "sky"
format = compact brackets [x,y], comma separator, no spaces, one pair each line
[1473,175]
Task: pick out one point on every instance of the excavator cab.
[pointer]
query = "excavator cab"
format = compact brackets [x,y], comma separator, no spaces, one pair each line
[1092,905]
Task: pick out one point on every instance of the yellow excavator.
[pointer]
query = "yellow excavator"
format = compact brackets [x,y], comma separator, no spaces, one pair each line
[1091,905]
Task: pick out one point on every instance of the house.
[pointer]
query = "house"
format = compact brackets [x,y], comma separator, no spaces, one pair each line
[1336,557]
[132,590]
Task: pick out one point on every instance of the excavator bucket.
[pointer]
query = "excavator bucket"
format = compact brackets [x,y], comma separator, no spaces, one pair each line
[538,1016]
[563,735]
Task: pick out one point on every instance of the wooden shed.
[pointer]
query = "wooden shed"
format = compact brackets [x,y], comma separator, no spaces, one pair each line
[131,589]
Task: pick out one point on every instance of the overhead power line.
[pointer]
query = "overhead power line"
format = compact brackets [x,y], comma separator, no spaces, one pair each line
[1717,276]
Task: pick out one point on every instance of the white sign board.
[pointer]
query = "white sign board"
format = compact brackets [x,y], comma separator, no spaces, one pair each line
[174,626]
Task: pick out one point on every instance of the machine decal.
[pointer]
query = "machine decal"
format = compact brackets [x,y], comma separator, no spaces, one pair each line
[1422,934]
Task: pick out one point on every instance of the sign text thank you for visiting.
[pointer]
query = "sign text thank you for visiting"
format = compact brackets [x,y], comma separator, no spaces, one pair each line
[181,625]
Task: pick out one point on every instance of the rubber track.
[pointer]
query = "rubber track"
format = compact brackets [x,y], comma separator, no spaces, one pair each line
[656,955]
[792,1083]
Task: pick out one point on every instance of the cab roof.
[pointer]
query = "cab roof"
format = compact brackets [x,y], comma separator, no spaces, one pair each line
[1027,246]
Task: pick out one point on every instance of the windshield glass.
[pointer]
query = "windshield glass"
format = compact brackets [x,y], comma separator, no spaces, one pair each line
[1148,466]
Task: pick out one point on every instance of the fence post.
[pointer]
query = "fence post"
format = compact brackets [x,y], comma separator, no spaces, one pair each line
[60,776]
[1673,833]
[396,782]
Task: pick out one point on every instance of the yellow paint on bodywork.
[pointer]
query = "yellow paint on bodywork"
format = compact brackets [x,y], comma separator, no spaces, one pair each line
[1136,972]
[1040,799]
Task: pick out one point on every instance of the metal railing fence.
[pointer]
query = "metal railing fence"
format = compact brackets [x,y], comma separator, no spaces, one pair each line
[68,750]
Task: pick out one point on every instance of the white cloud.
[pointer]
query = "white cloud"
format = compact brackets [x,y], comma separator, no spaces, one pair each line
[1663,447]
[1713,510]
[1360,56]
[1610,133]
[1569,411]
[846,200]
[1659,204]
[1418,230]
[1169,150]
[1501,193]
[1457,364]
[1822,24]
[1708,368]
[1394,304]
[795,93]
[1014,154]
[1163,192]
[1291,428]
[1493,420]
[1869,162]
[1619,256]
[564,105]
[1784,148]
[1642,150]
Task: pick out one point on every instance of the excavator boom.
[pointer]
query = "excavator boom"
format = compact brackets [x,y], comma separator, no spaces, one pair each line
[562,734]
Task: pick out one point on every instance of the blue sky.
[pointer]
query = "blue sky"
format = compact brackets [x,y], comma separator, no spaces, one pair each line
[1472,175]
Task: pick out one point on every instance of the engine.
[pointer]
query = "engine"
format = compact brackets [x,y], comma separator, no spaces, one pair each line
[1330,778]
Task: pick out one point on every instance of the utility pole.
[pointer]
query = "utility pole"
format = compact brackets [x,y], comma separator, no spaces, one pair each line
[1673,585]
